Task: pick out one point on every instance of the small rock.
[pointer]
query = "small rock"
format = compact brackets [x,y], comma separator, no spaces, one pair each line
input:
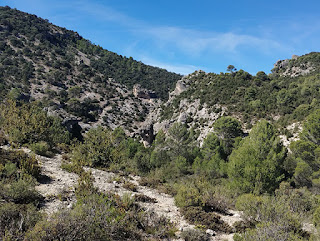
[210,232]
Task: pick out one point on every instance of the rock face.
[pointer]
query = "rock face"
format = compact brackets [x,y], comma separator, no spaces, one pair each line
[74,128]
[147,134]
[281,64]
[183,84]
[292,67]
[189,111]
[143,93]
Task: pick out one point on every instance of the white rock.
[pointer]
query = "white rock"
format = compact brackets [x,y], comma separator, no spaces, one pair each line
[210,232]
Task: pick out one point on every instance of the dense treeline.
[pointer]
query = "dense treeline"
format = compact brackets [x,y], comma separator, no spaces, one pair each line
[29,45]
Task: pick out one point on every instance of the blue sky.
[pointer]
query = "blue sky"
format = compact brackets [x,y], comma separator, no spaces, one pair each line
[184,36]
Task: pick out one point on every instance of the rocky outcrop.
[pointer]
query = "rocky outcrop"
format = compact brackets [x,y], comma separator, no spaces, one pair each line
[292,67]
[143,93]
[189,111]
[183,84]
[147,134]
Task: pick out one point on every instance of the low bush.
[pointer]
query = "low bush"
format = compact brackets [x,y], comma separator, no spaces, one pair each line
[144,198]
[71,167]
[40,148]
[130,186]
[273,219]
[15,219]
[21,191]
[3,139]
[271,231]
[316,217]
[27,164]
[194,235]
[150,182]
[196,215]
[102,217]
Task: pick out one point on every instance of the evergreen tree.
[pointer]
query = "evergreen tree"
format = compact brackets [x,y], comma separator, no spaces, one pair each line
[257,165]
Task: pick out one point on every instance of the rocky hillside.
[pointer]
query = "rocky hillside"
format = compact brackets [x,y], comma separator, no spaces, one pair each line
[297,66]
[214,138]
[73,78]
[83,83]
[284,97]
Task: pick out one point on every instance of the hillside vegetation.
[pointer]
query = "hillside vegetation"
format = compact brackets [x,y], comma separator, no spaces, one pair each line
[64,58]
[74,78]
[253,97]
[218,145]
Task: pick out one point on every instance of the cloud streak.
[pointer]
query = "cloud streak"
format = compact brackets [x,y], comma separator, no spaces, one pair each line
[197,42]
[191,42]
[180,69]
[178,48]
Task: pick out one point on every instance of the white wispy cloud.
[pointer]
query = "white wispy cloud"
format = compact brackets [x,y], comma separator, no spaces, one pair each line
[196,42]
[180,69]
[190,41]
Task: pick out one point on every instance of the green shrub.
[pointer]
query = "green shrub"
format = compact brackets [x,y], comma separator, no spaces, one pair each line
[21,191]
[196,215]
[270,231]
[316,217]
[102,217]
[40,148]
[27,123]
[17,219]
[18,160]
[187,196]
[194,235]
[72,167]
[150,182]
[272,218]
[3,139]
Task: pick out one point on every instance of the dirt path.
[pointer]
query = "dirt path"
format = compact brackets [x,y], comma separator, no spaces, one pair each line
[57,187]
[164,206]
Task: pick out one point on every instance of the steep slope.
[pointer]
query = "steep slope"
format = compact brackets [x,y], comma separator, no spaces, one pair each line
[73,77]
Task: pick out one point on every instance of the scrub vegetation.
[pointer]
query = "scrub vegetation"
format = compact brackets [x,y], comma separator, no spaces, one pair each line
[277,187]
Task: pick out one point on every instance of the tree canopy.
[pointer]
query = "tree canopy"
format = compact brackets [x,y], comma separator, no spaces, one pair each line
[257,165]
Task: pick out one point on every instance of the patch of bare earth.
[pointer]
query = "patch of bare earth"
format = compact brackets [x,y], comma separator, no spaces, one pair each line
[57,185]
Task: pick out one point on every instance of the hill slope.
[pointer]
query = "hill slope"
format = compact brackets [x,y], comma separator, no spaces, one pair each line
[83,82]
[72,76]
[284,97]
